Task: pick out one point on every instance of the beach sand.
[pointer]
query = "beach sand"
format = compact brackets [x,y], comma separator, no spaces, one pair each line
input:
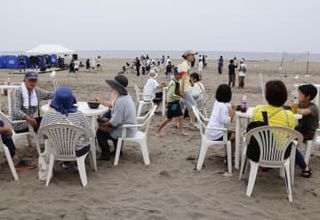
[169,188]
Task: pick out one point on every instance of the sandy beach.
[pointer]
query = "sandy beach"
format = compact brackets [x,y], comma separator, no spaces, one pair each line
[169,188]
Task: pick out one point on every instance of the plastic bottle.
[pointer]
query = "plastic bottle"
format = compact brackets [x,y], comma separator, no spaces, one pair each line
[244,104]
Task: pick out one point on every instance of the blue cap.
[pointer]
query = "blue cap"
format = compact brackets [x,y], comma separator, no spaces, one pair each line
[31,75]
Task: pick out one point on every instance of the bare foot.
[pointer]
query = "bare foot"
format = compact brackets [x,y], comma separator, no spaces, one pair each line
[183,134]
[159,134]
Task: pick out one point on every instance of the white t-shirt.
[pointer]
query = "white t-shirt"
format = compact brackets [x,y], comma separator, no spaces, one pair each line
[198,90]
[149,89]
[167,61]
[219,119]
[243,66]
[200,66]
[76,64]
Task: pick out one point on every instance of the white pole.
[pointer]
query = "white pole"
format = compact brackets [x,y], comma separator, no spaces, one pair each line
[262,89]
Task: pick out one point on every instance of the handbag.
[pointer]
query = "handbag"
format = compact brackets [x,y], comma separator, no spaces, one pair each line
[253,151]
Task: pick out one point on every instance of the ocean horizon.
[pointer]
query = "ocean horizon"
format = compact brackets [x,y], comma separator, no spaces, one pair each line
[212,55]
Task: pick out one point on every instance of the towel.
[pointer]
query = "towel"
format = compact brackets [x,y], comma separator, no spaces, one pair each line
[25,96]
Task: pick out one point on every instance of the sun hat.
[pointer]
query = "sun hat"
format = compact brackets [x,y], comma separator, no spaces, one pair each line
[153,74]
[119,84]
[188,52]
[63,101]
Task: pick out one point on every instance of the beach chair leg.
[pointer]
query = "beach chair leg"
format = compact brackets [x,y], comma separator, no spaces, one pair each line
[145,153]
[252,177]
[229,157]
[10,162]
[93,156]
[243,164]
[118,150]
[288,180]
[50,169]
[82,170]
[202,155]
[29,140]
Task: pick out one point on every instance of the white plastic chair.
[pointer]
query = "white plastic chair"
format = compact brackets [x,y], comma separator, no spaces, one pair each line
[205,143]
[140,137]
[202,101]
[61,140]
[273,142]
[9,160]
[140,102]
[17,136]
[310,146]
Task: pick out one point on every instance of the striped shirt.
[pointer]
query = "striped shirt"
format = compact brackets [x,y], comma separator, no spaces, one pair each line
[19,112]
[77,118]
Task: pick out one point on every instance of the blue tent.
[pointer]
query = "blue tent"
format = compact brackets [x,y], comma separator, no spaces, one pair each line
[54,59]
[2,62]
[11,62]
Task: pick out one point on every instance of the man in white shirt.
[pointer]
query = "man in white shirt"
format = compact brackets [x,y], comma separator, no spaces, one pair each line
[242,73]
[168,60]
[150,89]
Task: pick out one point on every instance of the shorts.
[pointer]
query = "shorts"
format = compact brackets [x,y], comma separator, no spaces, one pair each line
[174,110]
[158,97]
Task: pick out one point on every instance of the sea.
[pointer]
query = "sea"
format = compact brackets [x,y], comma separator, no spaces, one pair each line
[212,55]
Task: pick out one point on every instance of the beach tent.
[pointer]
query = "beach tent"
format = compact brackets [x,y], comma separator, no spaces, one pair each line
[53,59]
[2,62]
[44,49]
[11,62]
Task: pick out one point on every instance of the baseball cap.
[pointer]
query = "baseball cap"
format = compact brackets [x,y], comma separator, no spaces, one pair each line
[31,75]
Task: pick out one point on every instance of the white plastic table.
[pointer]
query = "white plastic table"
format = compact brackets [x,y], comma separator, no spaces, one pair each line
[246,116]
[83,107]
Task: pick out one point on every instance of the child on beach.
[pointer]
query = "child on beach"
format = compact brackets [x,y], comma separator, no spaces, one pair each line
[222,115]
[310,115]
[174,108]
[232,73]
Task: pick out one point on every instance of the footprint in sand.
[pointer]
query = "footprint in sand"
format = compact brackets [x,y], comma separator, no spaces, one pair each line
[164,173]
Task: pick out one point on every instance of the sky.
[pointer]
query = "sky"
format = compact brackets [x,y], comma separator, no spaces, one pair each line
[207,25]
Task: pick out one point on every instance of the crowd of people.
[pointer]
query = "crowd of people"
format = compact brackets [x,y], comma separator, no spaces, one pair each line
[184,91]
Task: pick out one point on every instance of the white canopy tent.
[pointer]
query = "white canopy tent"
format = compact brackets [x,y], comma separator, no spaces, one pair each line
[43,49]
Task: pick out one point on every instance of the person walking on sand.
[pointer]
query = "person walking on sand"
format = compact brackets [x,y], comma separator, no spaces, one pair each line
[220,65]
[174,108]
[200,67]
[232,73]
[138,65]
[99,60]
[242,74]
[185,86]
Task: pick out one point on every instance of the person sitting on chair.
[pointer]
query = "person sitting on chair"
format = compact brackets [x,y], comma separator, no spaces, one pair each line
[26,101]
[123,112]
[6,133]
[276,96]
[63,111]
[150,88]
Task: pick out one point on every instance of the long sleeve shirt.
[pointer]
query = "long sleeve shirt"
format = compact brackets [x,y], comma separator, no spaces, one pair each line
[19,112]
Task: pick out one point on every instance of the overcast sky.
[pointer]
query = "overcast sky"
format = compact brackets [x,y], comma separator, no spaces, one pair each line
[233,25]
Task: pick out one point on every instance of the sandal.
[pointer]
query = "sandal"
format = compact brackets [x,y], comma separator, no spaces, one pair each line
[306,173]
[24,165]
